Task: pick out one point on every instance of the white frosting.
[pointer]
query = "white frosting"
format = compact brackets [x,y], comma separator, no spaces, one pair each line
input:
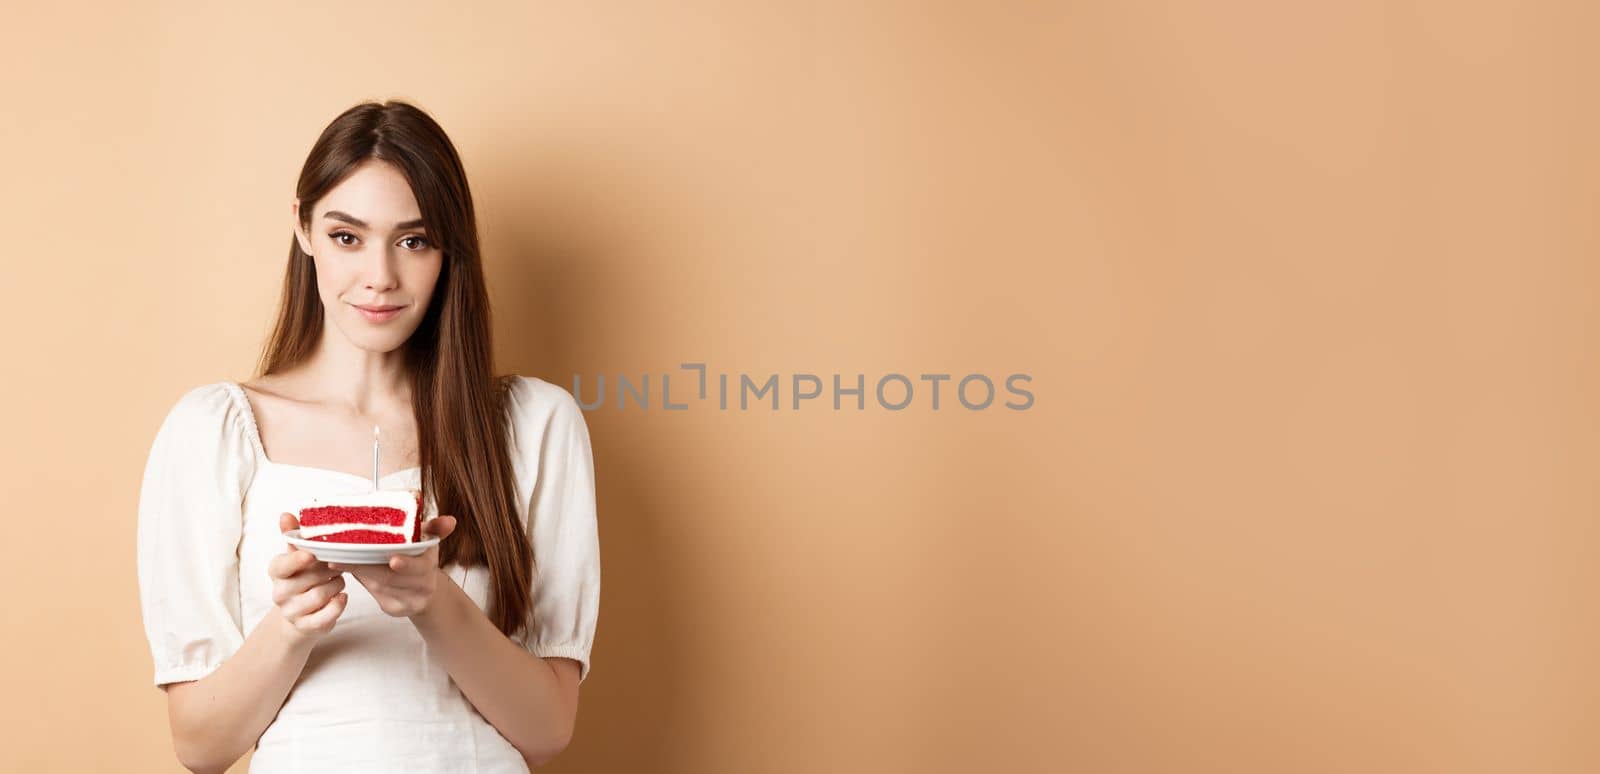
[327,529]
[403,500]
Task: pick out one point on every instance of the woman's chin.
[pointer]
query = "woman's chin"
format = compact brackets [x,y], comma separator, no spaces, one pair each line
[376,342]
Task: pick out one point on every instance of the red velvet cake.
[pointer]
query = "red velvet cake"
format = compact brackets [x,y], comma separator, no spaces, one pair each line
[383,516]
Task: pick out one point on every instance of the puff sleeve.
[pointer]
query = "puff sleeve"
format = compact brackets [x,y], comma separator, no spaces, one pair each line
[562,525]
[190,522]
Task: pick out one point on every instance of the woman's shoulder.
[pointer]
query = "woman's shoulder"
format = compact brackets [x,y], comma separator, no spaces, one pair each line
[548,433]
[531,396]
[213,399]
[203,411]
[539,406]
[206,436]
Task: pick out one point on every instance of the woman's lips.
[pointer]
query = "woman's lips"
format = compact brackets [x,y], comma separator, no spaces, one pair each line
[378,314]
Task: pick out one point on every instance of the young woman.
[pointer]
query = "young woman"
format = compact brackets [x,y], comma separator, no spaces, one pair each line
[466,658]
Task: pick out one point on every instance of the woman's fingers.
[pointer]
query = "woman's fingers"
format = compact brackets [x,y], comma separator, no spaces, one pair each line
[323,619]
[294,574]
[376,578]
[411,565]
[439,526]
[285,590]
[311,600]
[285,565]
[308,593]
[286,522]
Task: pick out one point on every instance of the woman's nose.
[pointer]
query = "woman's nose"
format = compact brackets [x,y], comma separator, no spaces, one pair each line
[379,272]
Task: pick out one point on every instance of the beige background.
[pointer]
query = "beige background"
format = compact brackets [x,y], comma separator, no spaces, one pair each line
[1307,291]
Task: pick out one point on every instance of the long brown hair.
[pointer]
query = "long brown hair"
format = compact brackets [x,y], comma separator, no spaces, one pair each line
[460,406]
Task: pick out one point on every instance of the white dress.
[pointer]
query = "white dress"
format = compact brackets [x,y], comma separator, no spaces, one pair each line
[371,698]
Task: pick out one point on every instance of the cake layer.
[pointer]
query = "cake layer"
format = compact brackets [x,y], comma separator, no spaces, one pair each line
[360,536]
[352,514]
[383,516]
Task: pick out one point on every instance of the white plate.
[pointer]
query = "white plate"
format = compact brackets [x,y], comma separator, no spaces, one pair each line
[357,553]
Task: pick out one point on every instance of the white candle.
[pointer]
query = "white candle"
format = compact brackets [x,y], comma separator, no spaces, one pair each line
[374,458]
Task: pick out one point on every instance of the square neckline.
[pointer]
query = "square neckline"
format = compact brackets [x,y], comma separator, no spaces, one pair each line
[237,391]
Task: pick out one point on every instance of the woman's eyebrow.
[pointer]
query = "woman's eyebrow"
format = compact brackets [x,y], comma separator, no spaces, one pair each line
[355,221]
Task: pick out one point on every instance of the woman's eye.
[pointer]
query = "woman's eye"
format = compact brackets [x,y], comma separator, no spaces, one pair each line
[422,244]
[338,235]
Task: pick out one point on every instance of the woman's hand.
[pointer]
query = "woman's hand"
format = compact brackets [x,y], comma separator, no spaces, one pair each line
[405,586]
[308,593]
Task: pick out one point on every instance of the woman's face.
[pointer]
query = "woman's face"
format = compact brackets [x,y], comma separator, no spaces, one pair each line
[376,266]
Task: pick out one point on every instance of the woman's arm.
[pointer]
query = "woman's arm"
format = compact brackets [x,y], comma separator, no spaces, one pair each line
[216,719]
[533,702]
[221,715]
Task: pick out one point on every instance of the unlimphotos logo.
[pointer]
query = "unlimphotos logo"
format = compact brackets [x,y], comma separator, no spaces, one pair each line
[893,391]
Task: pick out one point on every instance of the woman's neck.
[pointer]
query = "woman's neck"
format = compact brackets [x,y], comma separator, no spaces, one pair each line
[341,373]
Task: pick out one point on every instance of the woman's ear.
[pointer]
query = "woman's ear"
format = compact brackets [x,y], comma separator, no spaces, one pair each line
[299,232]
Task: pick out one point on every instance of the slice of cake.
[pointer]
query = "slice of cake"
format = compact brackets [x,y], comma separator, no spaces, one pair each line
[382,516]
